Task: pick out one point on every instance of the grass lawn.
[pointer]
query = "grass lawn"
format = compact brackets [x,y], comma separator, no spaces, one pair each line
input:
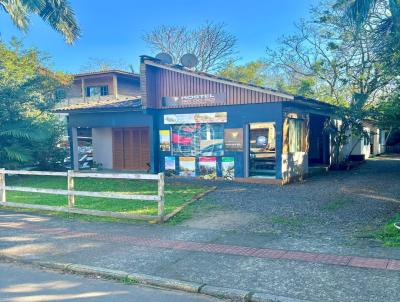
[175,194]
[390,235]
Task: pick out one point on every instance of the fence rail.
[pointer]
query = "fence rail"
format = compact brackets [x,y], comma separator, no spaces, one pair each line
[71,193]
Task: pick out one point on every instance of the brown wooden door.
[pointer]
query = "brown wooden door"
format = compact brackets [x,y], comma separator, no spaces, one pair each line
[118,149]
[131,149]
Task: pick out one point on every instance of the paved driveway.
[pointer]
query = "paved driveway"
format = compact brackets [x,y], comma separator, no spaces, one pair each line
[332,213]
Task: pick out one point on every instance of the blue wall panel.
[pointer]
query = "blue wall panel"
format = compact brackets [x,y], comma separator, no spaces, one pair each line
[239,116]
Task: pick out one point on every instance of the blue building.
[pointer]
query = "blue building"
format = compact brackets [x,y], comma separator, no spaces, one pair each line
[170,118]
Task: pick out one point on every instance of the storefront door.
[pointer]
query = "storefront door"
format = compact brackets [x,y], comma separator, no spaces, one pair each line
[262,156]
[131,148]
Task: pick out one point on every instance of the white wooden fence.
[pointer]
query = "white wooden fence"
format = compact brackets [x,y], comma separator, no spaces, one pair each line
[71,193]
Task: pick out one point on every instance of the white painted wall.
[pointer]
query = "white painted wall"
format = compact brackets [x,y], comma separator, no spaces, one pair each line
[294,165]
[378,138]
[360,148]
[102,146]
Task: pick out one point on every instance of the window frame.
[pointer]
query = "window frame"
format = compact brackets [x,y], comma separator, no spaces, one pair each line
[104,91]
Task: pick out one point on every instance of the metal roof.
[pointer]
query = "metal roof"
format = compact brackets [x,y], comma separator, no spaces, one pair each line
[111,71]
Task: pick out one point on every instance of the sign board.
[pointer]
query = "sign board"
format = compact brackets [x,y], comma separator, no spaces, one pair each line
[194,100]
[233,139]
[196,118]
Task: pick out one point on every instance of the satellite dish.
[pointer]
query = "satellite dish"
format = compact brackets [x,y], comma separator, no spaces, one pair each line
[164,58]
[189,60]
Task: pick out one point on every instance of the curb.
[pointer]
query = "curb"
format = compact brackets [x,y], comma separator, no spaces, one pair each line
[226,293]
[236,295]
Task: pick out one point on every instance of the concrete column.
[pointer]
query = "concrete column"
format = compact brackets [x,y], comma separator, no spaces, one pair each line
[83,89]
[377,146]
[74,151]
[115,85]
[246,151]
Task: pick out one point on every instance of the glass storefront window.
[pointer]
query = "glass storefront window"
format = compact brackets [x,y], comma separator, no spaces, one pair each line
[262,143]
[85,148]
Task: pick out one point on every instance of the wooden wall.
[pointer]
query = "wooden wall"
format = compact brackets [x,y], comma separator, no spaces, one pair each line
[161,82]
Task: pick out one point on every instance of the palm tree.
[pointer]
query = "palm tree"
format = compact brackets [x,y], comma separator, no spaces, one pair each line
[358,11]
[57,13]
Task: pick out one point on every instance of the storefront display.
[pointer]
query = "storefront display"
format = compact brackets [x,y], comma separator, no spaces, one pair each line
[228,168]
[187,166]
[165,141]
[208,167]
[198,140]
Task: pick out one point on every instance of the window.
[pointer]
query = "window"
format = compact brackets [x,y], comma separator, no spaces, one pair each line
[60,94]
[296,135]
[96,91]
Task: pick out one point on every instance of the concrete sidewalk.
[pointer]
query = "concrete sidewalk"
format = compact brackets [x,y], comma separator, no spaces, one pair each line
[200,255]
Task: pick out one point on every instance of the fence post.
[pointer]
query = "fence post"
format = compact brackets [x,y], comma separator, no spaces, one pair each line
[161,210]
[71,196]
[2,185]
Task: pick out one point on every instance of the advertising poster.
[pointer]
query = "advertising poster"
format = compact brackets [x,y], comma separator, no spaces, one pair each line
[198,140]
[233,139]
[228,168]
[187,166]
[208,167]
[195,118]
[165,143]
[169,165]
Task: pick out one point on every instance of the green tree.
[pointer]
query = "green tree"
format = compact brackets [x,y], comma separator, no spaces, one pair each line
[27,93]
[360,12]
[342,67]
[252,72]
[211,43]
[382,19]
[57,13]
[388,113]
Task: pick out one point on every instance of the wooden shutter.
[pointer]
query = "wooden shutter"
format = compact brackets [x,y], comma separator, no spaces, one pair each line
[129,143]
[118,149]
[144,148]
[131,148]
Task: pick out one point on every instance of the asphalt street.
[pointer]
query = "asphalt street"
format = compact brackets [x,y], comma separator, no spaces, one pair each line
[26,284]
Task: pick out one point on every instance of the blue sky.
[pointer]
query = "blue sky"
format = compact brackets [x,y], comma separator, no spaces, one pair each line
[113,29]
